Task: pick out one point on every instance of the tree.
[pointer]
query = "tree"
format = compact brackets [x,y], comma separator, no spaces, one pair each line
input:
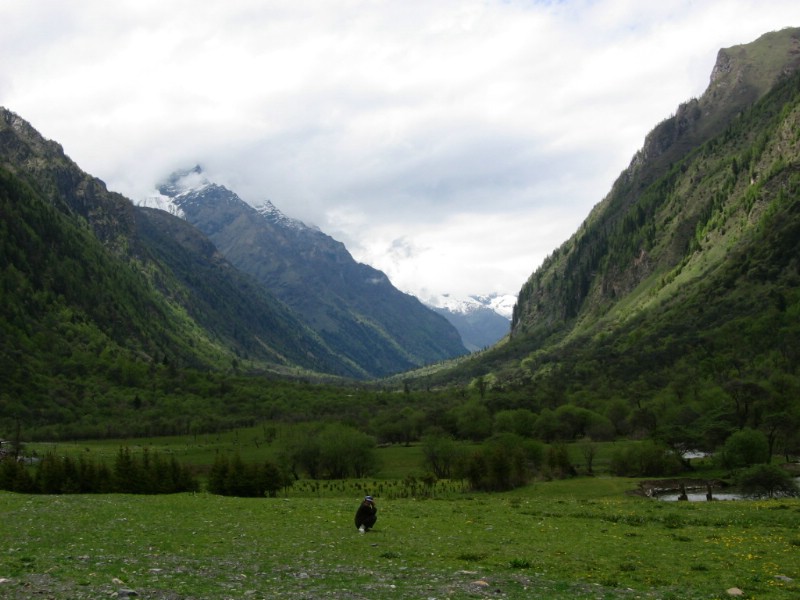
[520,421]
[546,427]
[502,463]
[744,395]
[218,474]
[346,452]
[558,462]
[299,449]
[127,473]
[589,451]
[646,459]
[240,480]
[780,416]
[575,422]
[743,449]
[273,478]
[473,420]
[399,426]
[441,453]
[617,411]
[14,476]
[767,481]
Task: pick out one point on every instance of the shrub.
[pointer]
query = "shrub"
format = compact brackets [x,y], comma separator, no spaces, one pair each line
[645,460]
[501,464]
[558,463]
[441,454]
[767,481]
[744,448]
[234,477]
[520,421]
[330,451]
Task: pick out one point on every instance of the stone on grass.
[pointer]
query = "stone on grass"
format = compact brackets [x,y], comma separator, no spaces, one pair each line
[735,592]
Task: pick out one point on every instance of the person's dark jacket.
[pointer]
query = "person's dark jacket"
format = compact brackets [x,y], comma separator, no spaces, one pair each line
[367,514]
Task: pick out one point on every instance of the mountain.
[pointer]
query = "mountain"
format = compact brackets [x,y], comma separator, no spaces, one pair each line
[352,307]
[677,299]
[678,203]
[480,320]
[98,293]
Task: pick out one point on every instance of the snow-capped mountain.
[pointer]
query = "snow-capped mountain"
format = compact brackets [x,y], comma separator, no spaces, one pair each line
[161,202]
[184,184]
[481,320]
[502,304]
[353,307]
[272,214]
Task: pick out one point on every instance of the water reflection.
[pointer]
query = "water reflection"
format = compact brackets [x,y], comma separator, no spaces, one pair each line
[696,495]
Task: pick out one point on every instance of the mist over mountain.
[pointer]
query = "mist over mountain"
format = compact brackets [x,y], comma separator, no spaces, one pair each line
[353,307]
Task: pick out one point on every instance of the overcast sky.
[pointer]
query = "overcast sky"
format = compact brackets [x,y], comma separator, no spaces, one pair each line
[452,144]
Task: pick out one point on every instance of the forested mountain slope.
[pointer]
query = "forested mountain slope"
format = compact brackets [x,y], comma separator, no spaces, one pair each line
[353,307]
[677,300]
[649,221]
[98,295]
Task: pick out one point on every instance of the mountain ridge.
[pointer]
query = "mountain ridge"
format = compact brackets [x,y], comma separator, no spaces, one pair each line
[160,309]
[481,320]
[731,90]
[678,290]
[353,307]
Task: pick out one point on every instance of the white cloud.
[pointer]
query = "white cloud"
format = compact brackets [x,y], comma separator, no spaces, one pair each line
[452,144]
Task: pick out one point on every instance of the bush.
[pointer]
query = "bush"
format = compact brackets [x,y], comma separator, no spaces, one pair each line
[441,454]
[645,460]
[501,464]
[767,481]
[558,463]
[346,452]
[743,449]
[520,421]
[330,451]
[234,477]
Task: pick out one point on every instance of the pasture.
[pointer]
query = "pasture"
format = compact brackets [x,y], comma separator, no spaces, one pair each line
[579,538]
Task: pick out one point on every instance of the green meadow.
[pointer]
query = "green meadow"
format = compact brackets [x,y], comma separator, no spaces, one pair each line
[584,537]
[578,538]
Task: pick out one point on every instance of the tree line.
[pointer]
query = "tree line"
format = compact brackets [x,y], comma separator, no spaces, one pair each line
[131,473]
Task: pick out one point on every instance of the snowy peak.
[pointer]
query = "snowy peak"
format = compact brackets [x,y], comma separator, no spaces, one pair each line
[169,194]
[502,304]
[481,320]
[193,184]
[162,202]
[181,183]
[271,213]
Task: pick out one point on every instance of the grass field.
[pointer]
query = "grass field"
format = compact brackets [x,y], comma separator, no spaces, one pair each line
[582,538]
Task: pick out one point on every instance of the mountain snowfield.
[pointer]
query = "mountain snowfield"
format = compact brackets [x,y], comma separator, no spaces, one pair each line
[502,304]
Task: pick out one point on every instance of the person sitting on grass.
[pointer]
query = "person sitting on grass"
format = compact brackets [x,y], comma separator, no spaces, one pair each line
[366,515]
